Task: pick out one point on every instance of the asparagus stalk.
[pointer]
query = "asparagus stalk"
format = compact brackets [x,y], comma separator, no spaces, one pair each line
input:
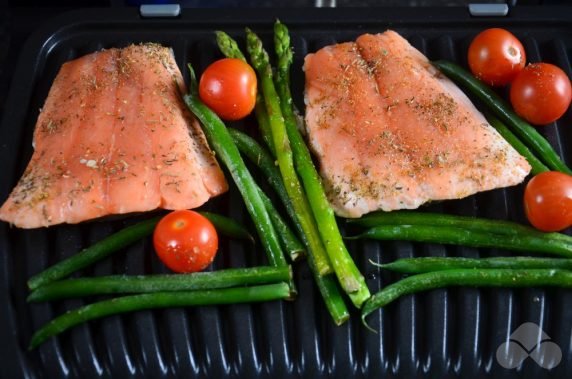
[260,62]
[249,147]
[257,155]
[348,274]
[326,284]
[260,157]
[290,242]
[229,48]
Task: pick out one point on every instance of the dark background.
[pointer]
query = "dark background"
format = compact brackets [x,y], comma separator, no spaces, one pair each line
[19,18]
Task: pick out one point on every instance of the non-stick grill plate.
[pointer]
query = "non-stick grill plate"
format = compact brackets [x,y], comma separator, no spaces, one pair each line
[444,333]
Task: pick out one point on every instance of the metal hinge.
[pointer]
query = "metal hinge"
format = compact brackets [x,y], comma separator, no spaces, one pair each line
[325,3]
[488,10]
[159,10]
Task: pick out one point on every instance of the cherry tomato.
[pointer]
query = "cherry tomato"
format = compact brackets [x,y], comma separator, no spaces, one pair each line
[228,87]
[185,241]
[548,201]
[496,56]
[541,93]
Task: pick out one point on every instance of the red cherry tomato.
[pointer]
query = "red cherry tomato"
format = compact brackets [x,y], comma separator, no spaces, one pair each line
[228,87]
[548,201]
[185,241]
[496,56]
[541,93]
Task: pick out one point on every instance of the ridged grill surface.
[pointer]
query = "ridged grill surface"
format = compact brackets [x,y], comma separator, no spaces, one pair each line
[442,333]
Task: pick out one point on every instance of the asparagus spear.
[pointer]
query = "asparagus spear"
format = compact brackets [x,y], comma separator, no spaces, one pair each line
[249,147]
[348,274]
[287,237]
[229,48]
[326,284]
[261,64]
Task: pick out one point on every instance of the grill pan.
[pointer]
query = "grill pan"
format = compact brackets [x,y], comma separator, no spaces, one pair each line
[443,333]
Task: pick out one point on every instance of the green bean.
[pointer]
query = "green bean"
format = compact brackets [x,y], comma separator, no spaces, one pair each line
[465,222]
[326,284]
[227,226]
[536,165]
[158,300]
[219,139]
[230,49]
[121,239]
[428,264]
[261,158]
[468,278]
[465,237]
[121,284]
[264,161]
[526,132]
[94,253]
[348,274]
[290,242]
[260,61]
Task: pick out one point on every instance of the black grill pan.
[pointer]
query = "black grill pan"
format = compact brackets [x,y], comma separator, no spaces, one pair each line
[443,333]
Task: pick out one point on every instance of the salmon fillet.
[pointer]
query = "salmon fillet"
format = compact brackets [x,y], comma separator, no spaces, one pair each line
[390,132]
[114,137]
